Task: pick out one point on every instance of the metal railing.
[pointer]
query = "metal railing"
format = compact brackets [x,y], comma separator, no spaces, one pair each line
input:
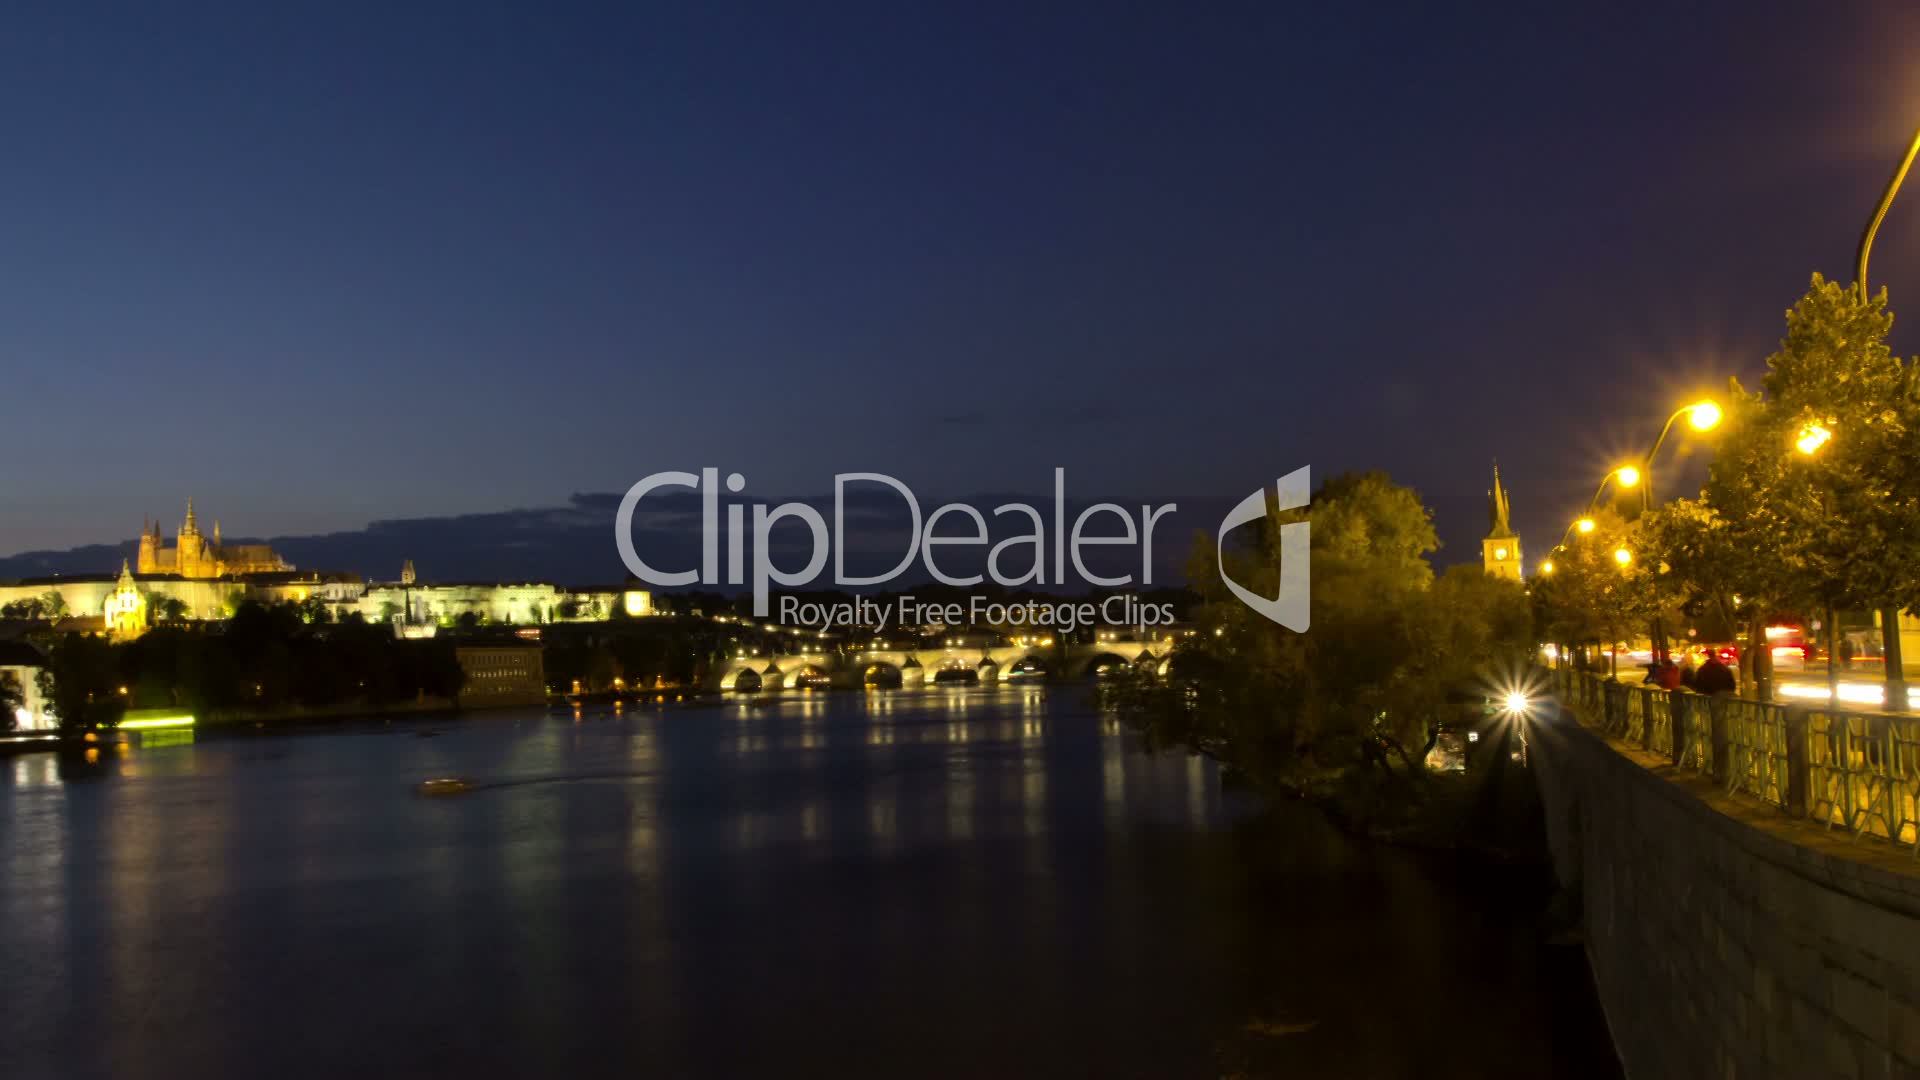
[1857,771]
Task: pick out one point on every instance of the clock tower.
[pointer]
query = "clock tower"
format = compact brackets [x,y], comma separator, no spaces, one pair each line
[1500,551]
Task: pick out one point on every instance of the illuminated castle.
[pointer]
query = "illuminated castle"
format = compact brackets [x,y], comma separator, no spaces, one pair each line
[196,556]
[1500,551]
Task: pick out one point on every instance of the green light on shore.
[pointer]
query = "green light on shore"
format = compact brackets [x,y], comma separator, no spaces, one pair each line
[148,723]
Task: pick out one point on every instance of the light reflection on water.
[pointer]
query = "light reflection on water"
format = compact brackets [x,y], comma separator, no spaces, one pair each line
[980,880]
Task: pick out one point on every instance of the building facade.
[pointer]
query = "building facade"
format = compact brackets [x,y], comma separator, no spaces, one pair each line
[502,674]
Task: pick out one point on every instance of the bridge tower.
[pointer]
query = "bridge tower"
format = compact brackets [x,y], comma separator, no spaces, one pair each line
[1500,551]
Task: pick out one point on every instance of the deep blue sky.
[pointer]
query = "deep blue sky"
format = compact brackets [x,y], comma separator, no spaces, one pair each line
[323,264]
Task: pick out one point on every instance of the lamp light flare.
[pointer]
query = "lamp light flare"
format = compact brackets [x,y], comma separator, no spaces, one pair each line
[1585,525]
[1546,566]
[1704,415]
[1517,702]
[1812,438]
[1622,556]
[1626,476]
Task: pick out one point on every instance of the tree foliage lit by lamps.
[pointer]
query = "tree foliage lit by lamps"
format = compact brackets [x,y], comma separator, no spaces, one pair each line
[1811,500]
[1592,595]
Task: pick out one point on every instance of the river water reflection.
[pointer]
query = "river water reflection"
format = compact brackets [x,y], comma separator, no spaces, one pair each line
[963,882]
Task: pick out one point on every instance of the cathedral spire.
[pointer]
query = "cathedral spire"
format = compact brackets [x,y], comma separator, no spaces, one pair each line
[189,527]
[1498,509]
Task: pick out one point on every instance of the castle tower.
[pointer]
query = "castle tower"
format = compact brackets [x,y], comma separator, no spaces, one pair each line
[148,559]
[1500,551]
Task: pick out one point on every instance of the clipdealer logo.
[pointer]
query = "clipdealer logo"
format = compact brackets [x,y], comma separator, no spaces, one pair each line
[1291,608]
[1013,561]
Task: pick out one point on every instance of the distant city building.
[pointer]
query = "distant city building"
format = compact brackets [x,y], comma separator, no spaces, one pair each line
[502,674]
[216,579]
[411,602]
[1500,551]
[198,557]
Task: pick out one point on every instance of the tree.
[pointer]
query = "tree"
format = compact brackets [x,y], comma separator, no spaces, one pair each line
[22,609]
[1811,502]
[53,605]
[1593,597]
[1847,508]
[1387,646]
[81,682]
[167,608]
[12,698]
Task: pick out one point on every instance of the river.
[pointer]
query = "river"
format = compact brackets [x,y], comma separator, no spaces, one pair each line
[966,882]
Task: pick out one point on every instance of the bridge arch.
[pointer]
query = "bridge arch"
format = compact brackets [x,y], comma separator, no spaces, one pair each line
[883,674]
[741,678]
[1029,666]
[1105,662]
[806,675]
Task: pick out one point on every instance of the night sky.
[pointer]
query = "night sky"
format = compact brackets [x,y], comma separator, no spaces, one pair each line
[321,265]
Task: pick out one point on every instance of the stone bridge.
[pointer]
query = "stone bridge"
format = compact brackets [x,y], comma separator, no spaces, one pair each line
[924,664]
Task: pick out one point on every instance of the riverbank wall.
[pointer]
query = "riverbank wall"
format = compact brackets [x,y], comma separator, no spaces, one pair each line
[1725,938]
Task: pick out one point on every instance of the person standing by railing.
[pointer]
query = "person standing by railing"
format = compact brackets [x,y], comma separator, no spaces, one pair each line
[1713,676]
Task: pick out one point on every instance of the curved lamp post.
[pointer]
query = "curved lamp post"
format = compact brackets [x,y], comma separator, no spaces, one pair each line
[1703,415]
[1896,675]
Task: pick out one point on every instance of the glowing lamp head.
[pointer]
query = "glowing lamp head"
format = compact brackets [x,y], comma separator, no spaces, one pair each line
[1704,415]
[1812,438]
[1584,525]
[1626,476]
[1517,702]
[1546,566]
[1622,556]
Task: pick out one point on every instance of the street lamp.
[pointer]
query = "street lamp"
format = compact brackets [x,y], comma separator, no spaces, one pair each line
[1880,212]
[1622,556]
[1814,436]
[1702,415]
[1896,672]
[1584,525]
[1546,566]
